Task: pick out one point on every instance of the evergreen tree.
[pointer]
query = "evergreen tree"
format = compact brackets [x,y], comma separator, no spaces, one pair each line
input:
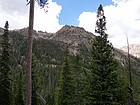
[5,94]
[35,100]
[105,88]
[50,95]
[66,86]
[79,79]
[19,97]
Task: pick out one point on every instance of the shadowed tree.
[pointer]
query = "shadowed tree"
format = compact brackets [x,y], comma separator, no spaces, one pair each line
[79,81]
[35,87]
[19,96]
[5,94]
[66,86]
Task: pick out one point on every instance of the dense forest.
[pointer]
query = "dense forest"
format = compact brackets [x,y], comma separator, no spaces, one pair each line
[97,74]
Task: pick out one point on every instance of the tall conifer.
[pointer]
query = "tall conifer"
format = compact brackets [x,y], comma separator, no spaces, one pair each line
[5,94]
[35,87]
[105,88]
[66,85]
[79,81]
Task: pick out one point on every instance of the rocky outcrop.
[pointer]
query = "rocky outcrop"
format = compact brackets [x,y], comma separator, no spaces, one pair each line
[73,35]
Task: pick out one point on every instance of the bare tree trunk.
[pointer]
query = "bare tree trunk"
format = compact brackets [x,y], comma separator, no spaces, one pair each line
[130,75]
[29,54]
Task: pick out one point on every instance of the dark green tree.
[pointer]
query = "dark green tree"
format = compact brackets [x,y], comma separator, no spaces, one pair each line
[79,81]
[35,87]
[105,88]
[50,96]
[66,86]
[19,97]
[5,87]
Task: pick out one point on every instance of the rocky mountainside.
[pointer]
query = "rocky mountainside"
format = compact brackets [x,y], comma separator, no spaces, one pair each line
[36,34]
[134,50]
[77,38]
[49,47]
[73,35]
[70,35]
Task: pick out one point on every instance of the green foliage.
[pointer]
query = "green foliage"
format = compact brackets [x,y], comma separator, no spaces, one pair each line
[79,81]
[50,99]
[17,62]
[19,97]
[5,87]
[66,87]
[104,84]
[46,66]
[35,71]
[47,70]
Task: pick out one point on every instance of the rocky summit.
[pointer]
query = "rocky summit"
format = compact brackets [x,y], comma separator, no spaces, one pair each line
[73,35]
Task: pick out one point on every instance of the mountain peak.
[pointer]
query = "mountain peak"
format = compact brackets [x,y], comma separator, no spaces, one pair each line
[72,34]
[72,29]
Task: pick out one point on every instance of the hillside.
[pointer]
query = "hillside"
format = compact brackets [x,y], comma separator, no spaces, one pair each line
[77,38]
[49,51]
[73,35]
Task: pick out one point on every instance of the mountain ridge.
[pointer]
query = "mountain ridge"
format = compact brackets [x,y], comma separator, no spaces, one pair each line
[72,35]
[50,46]
[48,50]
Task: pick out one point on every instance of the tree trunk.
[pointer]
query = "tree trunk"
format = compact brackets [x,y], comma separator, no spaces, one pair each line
[29,54]
[130,74]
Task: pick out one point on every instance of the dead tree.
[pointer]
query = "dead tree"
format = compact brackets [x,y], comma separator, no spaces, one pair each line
[130,74]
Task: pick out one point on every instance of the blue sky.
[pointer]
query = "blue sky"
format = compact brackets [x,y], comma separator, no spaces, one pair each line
[122,16]
[72,8]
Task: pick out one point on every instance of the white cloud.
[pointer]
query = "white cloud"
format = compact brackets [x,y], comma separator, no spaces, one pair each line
[87,20]
[13,6]
[16,12]
[118,1]
[122,18]
[48,21]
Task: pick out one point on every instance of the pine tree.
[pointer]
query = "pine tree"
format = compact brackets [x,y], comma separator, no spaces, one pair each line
[35,100]
[105,88]
[50,95]
[79,81]
[19,97]
[66,86]
[5,94]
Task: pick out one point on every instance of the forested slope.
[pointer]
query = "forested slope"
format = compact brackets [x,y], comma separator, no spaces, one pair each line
[48,49]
